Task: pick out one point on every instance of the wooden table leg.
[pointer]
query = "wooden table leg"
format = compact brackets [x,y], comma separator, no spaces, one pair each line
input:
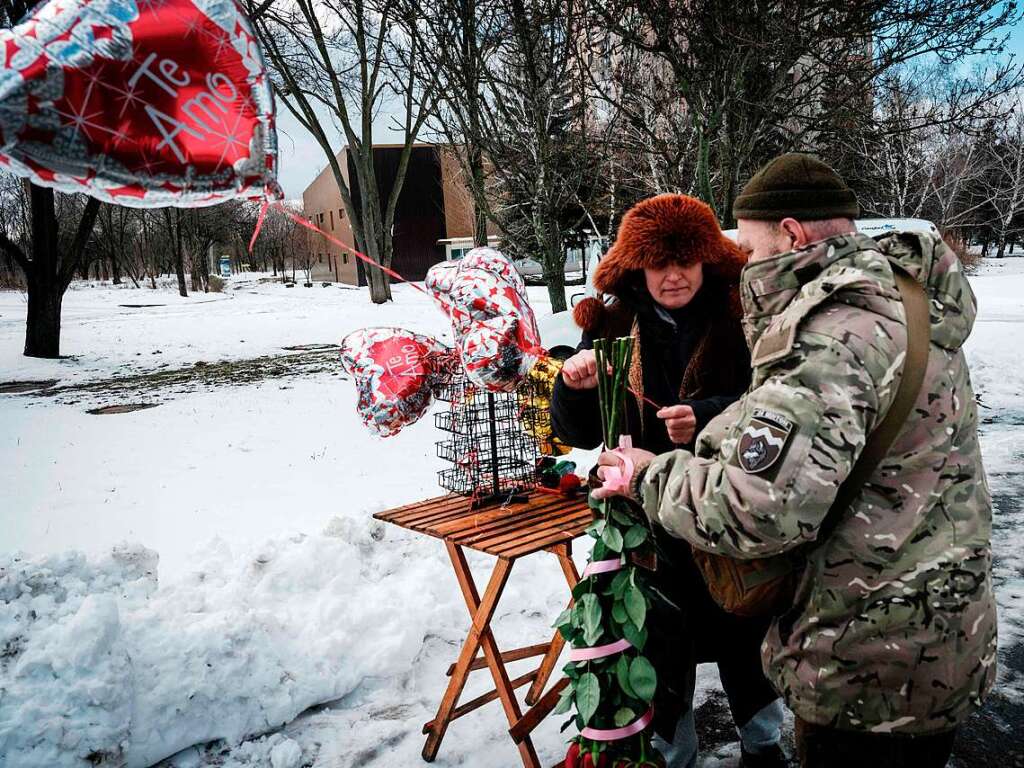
[547,665]
[481,612]
[480,636]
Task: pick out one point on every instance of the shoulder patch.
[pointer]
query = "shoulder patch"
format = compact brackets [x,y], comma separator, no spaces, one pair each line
[774,344]
[762,441]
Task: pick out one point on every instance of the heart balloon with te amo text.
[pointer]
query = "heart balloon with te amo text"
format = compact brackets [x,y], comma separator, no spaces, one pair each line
[139,102]
[397,374]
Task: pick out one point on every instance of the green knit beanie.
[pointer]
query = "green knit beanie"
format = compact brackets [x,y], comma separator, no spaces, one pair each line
[799,186]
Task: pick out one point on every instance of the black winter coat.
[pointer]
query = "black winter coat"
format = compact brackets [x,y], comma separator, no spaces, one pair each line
[694,356]
[673,343]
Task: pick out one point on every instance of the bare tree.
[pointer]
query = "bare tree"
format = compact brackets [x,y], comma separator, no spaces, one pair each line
[1002,187]
[52,249]
[458,39]
[350,60]
[504,77]
[757,78]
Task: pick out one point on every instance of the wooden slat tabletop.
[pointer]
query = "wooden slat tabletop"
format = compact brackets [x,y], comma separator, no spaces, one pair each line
[543,521]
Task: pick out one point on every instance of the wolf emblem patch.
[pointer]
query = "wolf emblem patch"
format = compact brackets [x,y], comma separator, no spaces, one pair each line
[762,441]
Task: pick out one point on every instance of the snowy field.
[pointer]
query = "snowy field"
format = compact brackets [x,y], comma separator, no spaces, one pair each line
[207,571]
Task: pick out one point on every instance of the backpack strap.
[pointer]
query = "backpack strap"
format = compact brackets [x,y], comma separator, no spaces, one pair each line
[915,306]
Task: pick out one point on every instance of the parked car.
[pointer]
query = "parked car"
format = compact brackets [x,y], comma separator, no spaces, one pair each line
[559,330]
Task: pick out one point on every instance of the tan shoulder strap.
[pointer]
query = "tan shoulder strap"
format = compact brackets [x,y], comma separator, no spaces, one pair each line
[915,305]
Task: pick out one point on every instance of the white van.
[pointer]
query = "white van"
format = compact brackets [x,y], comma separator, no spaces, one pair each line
[559,330]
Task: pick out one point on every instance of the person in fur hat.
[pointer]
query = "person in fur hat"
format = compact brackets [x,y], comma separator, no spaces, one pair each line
[672,279]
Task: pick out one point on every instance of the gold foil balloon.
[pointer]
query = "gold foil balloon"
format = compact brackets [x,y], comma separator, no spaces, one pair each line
[535,399]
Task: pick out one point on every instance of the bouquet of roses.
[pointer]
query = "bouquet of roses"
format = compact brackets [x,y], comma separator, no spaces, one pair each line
[611,682]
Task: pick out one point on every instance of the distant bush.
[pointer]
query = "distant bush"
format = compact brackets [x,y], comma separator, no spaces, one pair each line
[216,283]
[955,240]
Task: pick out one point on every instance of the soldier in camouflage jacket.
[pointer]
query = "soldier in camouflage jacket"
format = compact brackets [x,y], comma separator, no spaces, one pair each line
[893,630]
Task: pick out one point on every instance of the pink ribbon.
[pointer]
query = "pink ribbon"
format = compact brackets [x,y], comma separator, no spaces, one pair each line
[599,651]
[603,566]
[615,478]
[614,734]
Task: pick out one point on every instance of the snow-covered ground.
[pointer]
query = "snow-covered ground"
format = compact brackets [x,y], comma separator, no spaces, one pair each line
[207,571]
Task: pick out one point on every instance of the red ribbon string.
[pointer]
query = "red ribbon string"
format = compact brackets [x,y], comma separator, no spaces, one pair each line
[450,310]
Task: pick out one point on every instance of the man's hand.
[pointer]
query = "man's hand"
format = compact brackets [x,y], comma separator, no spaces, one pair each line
[638,456]
[580,370]
[680,422]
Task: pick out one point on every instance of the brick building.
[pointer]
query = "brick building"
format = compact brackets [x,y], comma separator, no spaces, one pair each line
[433,219]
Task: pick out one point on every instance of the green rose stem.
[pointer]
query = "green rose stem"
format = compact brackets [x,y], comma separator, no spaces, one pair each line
[617,690]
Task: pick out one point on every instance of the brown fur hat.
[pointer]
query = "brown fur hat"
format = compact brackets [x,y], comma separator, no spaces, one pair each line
[654,233]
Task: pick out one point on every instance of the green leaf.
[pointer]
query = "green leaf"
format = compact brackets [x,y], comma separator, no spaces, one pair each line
[635,536]
[636,636]
[596,528]
[622,676]
[636,605]
[643,678]
[564,618]
[588,696]
[612,538]
[619,583]
[619,612]
[564,701]
[590,606]
[622,517]
[624,716]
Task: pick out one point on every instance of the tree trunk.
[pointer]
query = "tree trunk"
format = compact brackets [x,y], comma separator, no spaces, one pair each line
[42,327]
[1001,251]
[46,274]
[115,269]
[480,215]
[195,275]
[380,291]
[554,272]
[380,285]
[179,257]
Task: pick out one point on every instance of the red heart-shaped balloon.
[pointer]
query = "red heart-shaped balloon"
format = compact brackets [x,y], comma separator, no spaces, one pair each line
[138,102]
[495,328]
[396,373]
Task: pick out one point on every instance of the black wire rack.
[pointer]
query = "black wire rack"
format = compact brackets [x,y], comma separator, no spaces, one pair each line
[490,441]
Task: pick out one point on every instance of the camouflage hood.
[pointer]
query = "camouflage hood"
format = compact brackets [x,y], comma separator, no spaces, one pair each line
[953,306]
[769,286]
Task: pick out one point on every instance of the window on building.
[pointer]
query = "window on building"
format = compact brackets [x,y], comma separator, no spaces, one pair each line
[320,258]
[332,219]
[344,258]
[458,253]
[341,214]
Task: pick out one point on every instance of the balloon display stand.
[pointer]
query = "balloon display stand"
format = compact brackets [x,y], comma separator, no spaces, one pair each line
[489,442]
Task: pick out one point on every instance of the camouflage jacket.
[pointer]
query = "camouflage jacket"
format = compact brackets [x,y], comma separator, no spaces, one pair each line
[893,628]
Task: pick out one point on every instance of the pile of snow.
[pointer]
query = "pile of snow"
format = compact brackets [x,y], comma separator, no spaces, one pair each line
[102,666]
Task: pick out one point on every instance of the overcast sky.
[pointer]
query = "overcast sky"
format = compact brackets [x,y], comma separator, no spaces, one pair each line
[302,159]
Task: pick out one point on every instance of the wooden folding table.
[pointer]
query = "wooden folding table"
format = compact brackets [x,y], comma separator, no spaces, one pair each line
[543,523]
